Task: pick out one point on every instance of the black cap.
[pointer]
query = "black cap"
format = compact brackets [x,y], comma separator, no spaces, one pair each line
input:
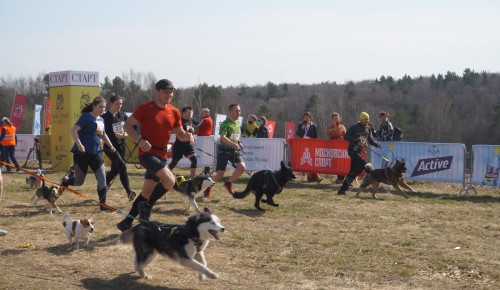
[164,84]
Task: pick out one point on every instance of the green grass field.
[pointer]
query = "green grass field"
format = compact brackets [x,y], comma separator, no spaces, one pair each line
[314,240]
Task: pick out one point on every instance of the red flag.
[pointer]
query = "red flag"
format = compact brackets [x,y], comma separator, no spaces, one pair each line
[290,131]
[270,124]
[16,115]
[47,112]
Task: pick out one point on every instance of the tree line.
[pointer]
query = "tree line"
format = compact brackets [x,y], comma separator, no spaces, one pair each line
[443,108]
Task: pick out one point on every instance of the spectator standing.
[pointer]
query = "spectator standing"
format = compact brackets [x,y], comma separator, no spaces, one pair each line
[262,132]
[205,128]
[308,130]
[114,120]
[358,135]
[336,131]
[386,130]
[250,128]
[8,139]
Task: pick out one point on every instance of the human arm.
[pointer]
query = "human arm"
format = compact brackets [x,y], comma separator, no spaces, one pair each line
[183,135]
[76,138]
[129,129]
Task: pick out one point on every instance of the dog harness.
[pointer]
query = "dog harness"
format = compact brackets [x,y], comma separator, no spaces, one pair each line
[273,174]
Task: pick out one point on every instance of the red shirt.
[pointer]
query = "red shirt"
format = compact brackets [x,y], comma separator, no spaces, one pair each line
[156,125]
[205,129]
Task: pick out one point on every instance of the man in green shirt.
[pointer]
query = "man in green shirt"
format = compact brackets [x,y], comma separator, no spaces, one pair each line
[228,149]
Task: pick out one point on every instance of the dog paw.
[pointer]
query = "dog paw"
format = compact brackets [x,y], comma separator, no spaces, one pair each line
[275,204]
[259,208]
[146,276]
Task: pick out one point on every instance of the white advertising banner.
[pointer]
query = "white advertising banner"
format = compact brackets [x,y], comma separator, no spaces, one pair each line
[486,165]
[24,143]
[36,120]
[425,161]
[263,153]
[204,145]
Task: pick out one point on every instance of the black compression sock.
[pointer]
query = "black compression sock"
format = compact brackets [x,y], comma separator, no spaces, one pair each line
[158,192]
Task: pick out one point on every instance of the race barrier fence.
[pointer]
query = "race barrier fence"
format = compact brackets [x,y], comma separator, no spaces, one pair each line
[438,162]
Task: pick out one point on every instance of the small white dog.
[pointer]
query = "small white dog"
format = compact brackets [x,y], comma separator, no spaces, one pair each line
[77,230]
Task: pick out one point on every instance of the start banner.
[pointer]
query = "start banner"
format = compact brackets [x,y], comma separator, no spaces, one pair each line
[320,156]
[443,162]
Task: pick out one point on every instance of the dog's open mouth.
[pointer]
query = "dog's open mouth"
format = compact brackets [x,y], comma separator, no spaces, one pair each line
[215,234]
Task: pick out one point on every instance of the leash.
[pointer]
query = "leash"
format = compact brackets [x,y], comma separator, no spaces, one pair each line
[230,163]
[381,156]
[112,209]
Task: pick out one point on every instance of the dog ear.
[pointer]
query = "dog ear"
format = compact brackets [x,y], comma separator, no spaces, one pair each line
[206,210]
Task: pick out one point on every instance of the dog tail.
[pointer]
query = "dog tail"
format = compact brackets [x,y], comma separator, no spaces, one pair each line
[242,194]
[65,216]
[126,237]
[369,167]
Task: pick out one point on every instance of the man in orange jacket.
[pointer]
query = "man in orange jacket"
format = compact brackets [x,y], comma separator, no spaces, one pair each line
[8,140]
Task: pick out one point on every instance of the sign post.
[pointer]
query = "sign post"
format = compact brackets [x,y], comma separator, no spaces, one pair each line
[69,92]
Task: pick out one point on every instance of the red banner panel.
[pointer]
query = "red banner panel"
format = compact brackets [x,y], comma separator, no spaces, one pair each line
[270,127]
[16,115]
[320,156]
[290,131]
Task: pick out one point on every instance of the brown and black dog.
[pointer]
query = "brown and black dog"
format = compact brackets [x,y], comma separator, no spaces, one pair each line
[50,194]
[392,175]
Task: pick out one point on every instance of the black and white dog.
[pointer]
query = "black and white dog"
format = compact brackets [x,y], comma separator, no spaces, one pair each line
[191,187]
[267,182]
[183,244]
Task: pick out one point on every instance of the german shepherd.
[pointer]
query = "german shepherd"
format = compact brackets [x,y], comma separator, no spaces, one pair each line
[191,187]
[267,182]
[392,175]
[183,244]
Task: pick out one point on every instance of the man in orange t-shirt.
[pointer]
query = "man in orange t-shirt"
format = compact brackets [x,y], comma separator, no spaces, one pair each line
[157,120]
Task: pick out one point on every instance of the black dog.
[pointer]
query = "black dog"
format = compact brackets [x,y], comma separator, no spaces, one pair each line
[392,175]
[267,182]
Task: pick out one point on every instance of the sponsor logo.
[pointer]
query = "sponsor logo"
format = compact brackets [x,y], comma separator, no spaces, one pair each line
[433,149]
[306,157]
[322,156]
[84,100]
[59,102]
[431,165]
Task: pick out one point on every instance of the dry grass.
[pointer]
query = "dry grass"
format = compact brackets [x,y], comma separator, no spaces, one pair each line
[315,240]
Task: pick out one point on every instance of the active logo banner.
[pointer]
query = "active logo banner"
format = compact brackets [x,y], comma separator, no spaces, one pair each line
[425,161]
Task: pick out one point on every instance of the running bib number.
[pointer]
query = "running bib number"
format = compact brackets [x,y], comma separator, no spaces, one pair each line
[100,128]
[235,137]
[118,127]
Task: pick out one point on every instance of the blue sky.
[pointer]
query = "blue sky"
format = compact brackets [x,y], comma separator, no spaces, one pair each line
[229,43]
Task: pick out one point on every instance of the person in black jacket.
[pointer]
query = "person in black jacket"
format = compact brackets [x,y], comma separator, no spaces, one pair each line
[358,135]
[114,120]
[307,129]
[262,132]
